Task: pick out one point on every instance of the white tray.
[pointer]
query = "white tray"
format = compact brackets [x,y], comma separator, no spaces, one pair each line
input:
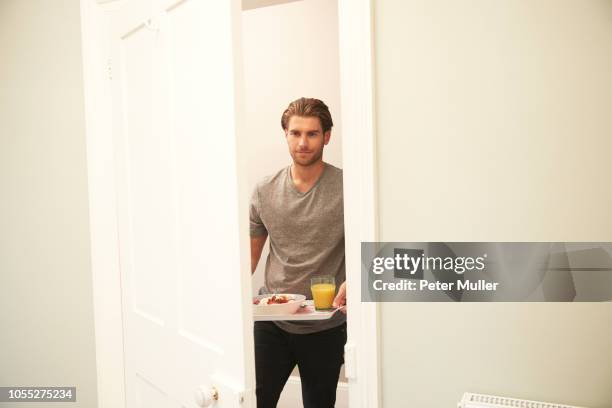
[307,312]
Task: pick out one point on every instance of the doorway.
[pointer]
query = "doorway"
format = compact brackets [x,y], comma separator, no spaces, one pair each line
[156,39]
[285,57]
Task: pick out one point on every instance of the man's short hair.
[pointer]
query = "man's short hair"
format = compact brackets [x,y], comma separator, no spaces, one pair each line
[308,107]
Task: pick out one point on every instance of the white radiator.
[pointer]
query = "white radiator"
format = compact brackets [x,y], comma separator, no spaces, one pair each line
[470,400]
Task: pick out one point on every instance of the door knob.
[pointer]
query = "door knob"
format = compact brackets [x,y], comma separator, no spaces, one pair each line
[205,396]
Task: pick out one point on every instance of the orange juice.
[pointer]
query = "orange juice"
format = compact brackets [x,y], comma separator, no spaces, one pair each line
[323,295]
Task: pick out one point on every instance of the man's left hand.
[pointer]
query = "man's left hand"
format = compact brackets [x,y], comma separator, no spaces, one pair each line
[340,299]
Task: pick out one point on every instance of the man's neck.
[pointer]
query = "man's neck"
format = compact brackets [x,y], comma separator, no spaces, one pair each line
[307,174]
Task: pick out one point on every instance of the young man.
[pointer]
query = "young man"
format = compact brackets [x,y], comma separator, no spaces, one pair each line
[301,208]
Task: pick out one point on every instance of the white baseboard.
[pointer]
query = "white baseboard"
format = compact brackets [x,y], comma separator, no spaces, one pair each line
[291,397]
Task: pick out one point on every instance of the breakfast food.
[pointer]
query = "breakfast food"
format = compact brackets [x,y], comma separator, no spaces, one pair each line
[277,304]
[274,300]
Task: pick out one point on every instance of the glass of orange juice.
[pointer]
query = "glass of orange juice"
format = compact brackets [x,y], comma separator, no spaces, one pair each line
[323,288]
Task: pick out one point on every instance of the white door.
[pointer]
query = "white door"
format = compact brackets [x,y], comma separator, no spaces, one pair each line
[181,210]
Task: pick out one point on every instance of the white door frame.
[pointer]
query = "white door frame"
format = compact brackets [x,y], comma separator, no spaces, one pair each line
[360,196]
[362,350]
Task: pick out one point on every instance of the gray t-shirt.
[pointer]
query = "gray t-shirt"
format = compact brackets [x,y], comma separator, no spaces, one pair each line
[306,232]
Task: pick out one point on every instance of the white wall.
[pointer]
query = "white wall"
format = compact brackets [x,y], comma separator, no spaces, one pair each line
[290,50]
[45,277]
[493,124]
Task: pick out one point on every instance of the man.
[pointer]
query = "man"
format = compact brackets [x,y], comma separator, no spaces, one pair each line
[301,208]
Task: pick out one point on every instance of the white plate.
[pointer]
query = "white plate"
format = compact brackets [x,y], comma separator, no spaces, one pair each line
[279,309]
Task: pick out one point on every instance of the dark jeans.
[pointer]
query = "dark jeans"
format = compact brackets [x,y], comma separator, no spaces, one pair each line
[318,356]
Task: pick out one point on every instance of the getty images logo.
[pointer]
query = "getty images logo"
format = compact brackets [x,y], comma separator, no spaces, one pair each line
[410,263]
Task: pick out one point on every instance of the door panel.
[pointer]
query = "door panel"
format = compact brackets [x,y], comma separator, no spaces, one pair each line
[184,256]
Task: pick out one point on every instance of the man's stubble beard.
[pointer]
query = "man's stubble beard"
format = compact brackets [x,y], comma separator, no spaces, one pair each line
[309,162]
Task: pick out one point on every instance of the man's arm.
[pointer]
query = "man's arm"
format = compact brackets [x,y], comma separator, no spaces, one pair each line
[257,244]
